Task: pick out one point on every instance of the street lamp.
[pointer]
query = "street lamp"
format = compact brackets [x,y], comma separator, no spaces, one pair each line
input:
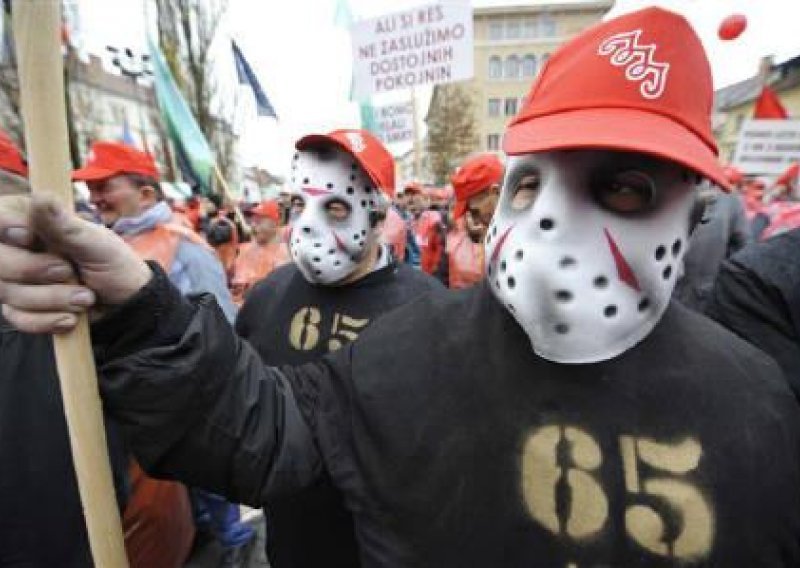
[134,66]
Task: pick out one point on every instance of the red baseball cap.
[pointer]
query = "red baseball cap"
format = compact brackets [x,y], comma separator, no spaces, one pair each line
[268,209]
[11,159]
[475,176]
[108,159]
[368,151]
[640,82]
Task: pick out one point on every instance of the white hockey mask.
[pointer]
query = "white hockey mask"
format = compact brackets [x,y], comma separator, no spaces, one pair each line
[331,235]
[585,247]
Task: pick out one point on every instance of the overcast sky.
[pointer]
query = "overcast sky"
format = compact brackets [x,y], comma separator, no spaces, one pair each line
[303,60]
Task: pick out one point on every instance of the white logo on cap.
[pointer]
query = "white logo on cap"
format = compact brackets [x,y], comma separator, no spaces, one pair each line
[638,60]
[356,142]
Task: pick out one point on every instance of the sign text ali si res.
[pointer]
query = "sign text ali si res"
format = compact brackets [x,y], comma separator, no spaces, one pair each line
[427,45]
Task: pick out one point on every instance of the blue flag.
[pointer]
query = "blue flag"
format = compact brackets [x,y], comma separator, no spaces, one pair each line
[127,136]
[247,77]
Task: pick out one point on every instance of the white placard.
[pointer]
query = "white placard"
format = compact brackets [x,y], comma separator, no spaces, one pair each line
[767,146]
[427,45]
[394,123]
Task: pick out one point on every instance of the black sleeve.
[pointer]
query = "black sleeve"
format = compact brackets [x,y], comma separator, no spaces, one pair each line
[758,313]
[740,230]
[196,402]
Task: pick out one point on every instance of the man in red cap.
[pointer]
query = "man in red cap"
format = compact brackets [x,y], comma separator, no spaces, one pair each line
[124,187]
[426,229]
[565,413]
[342,278]
[263,254]
[477,188]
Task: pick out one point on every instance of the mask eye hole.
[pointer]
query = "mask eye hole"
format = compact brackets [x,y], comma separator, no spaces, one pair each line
[526,190]
[625,193]
[337,209]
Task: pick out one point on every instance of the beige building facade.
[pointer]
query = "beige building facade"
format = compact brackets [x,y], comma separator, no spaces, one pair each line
[512,44]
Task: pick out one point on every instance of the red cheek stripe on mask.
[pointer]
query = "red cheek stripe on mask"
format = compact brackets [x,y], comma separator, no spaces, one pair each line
[339,242]
[624,270]
[315,192]
[499,246]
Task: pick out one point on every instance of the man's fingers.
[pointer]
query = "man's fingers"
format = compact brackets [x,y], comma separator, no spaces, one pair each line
[40,322]
[64,232]
[22,266]
[52,298]
[15,222]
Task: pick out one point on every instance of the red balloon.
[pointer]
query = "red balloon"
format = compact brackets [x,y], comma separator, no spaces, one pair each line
[732,27]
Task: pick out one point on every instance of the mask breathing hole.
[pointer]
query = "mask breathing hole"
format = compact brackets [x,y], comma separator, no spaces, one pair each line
[564,296]
[660,252]
[676,247]
[562,328]
[601,282]
[503,266]
[306,230]
[610,311]
[565,262]
[337,263]
[547,224]
[316,259]
[511,282]
[667,273]
[317,245]
[350,191]
[644,304]
[518,255]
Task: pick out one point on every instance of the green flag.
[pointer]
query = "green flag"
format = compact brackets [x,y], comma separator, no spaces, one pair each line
[194,154]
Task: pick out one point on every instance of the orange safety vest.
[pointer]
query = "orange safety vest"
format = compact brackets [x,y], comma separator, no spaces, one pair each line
[394,233]
[465,259]
[158,521]
[427,236]
[161,243]
[254,263]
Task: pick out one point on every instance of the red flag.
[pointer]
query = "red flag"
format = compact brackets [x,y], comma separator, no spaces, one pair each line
[769,105]
[789,177]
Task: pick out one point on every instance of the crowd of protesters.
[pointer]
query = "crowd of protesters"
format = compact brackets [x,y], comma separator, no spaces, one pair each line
[303,355]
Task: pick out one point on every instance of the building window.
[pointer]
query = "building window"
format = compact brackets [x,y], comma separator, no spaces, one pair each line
[513,28]
[495,67]
[544,58]
[547,26]
[511,107]
[494,107]
[530,28]
[512,67]
[496,29]
[529,65]
[493,142]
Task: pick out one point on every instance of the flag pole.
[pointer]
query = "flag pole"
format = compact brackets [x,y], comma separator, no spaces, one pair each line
[226,192]
[37,25]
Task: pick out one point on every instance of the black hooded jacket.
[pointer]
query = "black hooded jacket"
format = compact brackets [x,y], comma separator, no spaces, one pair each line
[454,445]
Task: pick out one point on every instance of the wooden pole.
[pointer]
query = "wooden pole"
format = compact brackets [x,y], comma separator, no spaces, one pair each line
[226,192]
[37,27]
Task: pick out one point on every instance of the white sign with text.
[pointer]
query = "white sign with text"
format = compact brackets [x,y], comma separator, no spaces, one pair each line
[767,146]
[427,45]
[394,123]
